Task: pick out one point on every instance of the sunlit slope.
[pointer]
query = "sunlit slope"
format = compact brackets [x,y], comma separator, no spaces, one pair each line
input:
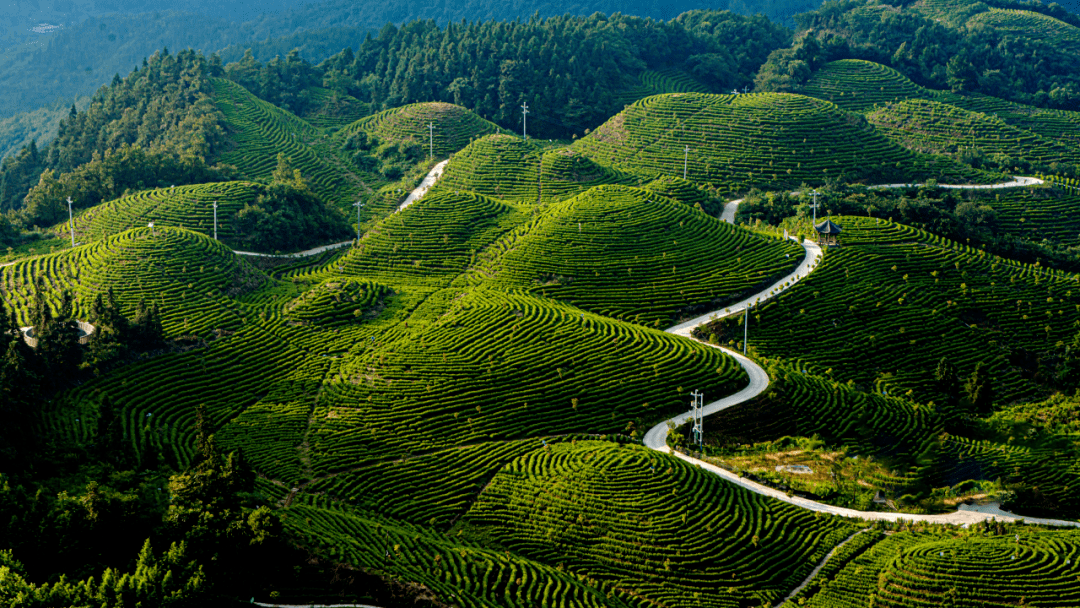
[431,241]
[666,531]
[486,365]
[858,85]
[452,127]
[259,131]
[939,128]
[627,253]
[774,139]
[190,207]
[990,567]
[191,277]
[884,308]
[513,169]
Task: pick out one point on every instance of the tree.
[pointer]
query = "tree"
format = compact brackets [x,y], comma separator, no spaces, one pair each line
[1069,373]
[947,380]
[979,390]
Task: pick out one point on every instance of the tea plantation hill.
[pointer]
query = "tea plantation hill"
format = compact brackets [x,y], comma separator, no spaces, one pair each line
[762,139]
[858,85]
[188,207]
[513,169]
[983,566]
[455,127]
[330,109]
[194,279]
[654,540]
[627,253]
[259,131]
[884,308]
[938,128]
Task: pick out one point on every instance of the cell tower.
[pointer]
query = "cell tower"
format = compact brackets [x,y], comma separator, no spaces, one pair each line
[697,407]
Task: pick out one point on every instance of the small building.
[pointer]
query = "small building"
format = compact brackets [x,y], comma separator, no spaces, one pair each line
[828,233]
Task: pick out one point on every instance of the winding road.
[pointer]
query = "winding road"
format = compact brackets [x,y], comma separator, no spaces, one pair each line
[417,193]
[656,437]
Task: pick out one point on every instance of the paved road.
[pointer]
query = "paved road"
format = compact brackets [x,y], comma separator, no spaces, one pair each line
[656,437]
[731,207]
[425,185]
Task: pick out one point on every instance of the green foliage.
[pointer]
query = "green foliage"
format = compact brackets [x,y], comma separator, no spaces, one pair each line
[110,176]
[625,253]
[989,54]
[973,138]
[287,215]
[172,93]
[884,308]
[190,277]
[737,141]
[545,61]
[591,504]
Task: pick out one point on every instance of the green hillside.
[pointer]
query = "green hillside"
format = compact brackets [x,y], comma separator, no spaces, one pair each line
[858,85]
[779,140]
[627,516]
[938,128]
[329,109]
[430,242]
[189,275]
[260,131]
[188,207]
[1030,24]
[992,566]
[626,253]
[883,309]
[454,127]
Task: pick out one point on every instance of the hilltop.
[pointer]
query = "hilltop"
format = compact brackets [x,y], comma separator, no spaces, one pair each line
[627,253]
[737,141]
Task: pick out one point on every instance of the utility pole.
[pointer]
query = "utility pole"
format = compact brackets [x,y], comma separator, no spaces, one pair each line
[215,220]
[524,119]
[815,206]
[696,411]
[685,159]
[431,140]
[745,328]
[358,204]
[71,222]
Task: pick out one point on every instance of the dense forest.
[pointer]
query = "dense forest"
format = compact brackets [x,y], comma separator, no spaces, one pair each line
[574,72]
[941,53]
[159,125]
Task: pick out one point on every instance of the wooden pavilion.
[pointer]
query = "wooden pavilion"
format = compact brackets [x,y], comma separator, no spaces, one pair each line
[828,233]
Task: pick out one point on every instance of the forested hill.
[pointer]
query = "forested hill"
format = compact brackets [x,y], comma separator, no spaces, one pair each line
[1021,51]
[38,69]
[574,72]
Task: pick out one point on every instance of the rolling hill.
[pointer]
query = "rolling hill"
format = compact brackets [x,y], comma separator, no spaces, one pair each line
[737,141]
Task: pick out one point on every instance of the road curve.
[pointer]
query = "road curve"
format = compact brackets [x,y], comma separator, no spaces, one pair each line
[417,193]
[656,437]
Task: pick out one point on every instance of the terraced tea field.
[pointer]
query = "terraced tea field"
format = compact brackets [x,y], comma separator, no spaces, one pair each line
[639,521]
[193,278]
[773,139]
[981,569]
[497,366]
[260,130]
[188,207]
[431,241]
[858,85]
[1042,213]
[938,128]
[455,126]
[331,109]
[885,307]
[1032,25]
[626,253]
